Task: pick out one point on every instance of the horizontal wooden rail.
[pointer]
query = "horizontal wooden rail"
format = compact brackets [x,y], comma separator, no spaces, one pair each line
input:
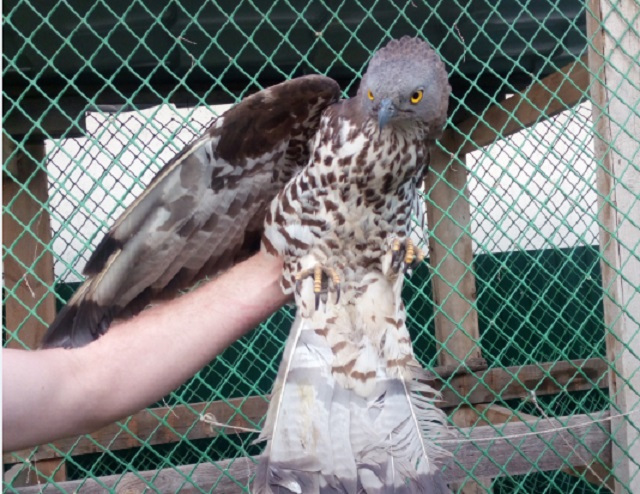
[519,381]
[156,426]
[552,446]
[171,424]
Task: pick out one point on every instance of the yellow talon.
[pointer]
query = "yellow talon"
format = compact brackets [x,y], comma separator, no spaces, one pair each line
[405,255]
[334,276]
[331,277]
[410,253]
[317,279]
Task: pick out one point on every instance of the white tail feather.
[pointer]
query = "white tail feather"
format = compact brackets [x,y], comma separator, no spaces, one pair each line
[326,436]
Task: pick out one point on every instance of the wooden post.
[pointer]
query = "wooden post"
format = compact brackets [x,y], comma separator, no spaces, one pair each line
[24,190]
[453,281]
[451,257]
[615,93]
[28,266]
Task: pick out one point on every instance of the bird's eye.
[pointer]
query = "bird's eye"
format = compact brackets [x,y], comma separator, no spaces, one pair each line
[416,96]
[370,95]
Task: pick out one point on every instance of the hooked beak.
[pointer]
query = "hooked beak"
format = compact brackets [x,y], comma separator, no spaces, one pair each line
[386,112]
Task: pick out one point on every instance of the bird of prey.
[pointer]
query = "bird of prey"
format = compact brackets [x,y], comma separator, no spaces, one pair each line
[329,185]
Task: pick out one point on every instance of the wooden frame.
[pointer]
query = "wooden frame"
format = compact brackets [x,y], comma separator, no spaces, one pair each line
[615,86]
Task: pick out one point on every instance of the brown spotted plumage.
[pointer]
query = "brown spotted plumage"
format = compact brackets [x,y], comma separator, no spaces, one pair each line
[338,182]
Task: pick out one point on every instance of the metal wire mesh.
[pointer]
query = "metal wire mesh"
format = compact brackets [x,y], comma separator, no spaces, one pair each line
[113,90]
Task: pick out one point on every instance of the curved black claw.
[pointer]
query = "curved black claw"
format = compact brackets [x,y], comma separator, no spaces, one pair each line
[325,280]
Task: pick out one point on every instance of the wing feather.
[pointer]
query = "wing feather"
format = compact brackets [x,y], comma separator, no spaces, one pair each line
[202,212]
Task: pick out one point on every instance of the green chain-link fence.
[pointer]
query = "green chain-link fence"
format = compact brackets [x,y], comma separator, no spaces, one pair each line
[527,308]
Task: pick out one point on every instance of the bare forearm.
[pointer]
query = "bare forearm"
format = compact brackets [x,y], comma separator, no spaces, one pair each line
[178,338]
[57,393]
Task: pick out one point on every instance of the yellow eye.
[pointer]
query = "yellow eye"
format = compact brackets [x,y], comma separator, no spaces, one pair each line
[370,95]
[416,97]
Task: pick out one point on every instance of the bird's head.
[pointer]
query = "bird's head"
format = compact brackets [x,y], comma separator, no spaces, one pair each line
[406,82]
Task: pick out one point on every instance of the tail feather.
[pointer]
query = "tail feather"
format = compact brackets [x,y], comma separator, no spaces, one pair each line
[298,418]
[343,471]
[327,436]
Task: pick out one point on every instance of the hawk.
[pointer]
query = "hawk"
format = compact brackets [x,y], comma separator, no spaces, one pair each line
[329,185]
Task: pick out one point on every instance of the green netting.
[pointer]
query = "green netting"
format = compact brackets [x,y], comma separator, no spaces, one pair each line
[99,95]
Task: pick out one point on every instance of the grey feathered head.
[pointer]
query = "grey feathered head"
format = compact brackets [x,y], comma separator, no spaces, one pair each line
[406,80]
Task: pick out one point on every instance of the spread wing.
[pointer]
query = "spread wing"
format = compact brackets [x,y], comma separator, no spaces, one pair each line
[202,213]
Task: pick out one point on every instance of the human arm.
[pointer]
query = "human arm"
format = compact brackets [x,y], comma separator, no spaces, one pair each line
[50,394]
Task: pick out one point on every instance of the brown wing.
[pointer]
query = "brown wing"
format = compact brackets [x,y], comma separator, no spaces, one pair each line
[203,211]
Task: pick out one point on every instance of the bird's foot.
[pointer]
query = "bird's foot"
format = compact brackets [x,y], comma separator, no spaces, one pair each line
[325,280]
[405,257]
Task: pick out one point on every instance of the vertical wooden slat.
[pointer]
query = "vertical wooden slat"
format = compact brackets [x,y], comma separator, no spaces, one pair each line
[453,280]
[28,266]
[25,247]
[451,257]
[615,91]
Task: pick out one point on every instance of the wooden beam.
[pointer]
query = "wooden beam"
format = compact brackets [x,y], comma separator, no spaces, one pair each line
[596,473]
[509,383]
[31,306]
[161,425]
[451,258]
[542,100]
[496,414]
[613,62]
[36,473]
[483,453]
[518,381]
